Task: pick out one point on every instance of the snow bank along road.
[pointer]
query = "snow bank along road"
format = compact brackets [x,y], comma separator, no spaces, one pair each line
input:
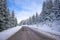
[26,33]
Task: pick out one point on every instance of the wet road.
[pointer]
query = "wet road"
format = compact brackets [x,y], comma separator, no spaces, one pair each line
[26,33]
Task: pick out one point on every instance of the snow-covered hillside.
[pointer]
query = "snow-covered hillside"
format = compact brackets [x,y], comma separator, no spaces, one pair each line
[46,28]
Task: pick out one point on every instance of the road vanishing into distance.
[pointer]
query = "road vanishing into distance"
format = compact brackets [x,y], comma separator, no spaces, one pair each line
[26,33]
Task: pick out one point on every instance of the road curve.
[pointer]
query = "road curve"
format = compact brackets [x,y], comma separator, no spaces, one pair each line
[26,33]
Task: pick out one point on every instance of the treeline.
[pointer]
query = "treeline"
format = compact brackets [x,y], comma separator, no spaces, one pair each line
[7,19]
[32,20]
[50,13]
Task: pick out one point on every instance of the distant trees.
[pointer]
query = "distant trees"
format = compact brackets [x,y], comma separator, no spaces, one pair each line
[32,20]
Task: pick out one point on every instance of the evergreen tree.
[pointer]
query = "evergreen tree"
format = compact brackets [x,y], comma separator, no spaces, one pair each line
[37,18]
[13,19]
[33,19]
[30,20]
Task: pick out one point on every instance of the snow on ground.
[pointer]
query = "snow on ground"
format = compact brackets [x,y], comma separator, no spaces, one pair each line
[7,33]
[46,29]
[45,34]
[56,25]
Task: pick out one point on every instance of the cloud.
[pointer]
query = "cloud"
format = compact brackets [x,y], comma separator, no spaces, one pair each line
[25,8]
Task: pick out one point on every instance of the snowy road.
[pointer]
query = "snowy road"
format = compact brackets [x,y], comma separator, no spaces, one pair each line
[26,33]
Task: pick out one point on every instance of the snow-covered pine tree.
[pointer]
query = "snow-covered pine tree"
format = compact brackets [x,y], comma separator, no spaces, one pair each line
[37,18]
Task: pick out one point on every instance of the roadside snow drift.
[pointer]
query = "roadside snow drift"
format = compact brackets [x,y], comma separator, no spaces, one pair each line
[7,33]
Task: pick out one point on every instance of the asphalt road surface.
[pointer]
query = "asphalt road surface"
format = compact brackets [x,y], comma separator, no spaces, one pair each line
[26,33]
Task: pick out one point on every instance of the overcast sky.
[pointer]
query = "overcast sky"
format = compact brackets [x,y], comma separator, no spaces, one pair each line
[25,8]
